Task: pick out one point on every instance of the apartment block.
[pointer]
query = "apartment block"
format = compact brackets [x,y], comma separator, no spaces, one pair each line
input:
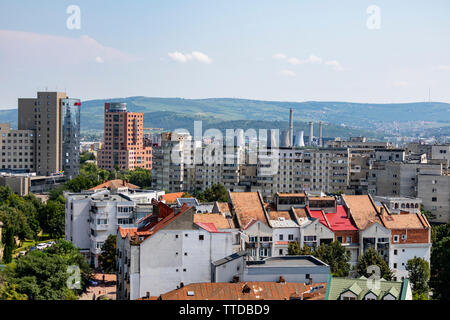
[91,216]
[167,245]
[124,145]
[17,149]
[434,191]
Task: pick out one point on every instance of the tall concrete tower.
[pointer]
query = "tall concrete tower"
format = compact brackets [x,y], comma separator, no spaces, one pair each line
[291,127]
[299,139]
[320,134]
[311,133]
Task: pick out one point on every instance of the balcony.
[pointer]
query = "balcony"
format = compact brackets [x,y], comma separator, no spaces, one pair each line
[99,227]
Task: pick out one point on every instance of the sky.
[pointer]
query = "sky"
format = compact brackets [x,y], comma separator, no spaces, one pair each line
[284,50]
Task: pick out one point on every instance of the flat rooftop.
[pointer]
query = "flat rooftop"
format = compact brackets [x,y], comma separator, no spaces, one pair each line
[286,261]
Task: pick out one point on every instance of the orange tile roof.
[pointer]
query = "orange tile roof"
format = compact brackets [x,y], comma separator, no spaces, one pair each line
[275,215]
[362,210]
[115,184]
[235,291]
[248,207]
[291,195]
[405,221]
[223,207]
[215,218]
[300,212]
[322,198]
[172,197]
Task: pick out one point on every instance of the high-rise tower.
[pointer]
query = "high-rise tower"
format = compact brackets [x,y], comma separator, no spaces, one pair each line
[291,127]
[311,133]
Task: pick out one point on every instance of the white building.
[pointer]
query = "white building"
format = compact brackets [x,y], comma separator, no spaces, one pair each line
[91,216]
[166,251]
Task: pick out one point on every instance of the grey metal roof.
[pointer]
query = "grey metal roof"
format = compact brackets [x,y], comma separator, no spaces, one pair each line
[230,258]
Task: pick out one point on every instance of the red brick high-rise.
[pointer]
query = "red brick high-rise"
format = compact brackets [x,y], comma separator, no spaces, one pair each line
[124,146]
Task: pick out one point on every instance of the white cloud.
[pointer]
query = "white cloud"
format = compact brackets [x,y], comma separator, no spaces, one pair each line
[314,59]
[279,56]
[287,73]
[185,57]
[99,59]
[400,84]
[294,61]
[335,65]
[19,48]
[442,68]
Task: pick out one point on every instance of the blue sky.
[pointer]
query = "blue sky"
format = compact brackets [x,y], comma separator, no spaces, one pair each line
[288,50]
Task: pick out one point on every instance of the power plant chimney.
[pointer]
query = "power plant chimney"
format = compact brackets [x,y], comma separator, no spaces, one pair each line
[291,127]
[311,133]
[320,134]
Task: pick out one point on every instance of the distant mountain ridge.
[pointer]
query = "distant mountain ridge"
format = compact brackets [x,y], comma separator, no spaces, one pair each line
[171,113]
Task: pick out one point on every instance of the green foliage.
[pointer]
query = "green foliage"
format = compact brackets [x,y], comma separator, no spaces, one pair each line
[9,246]
[52,218]
[295,250]
[427,213]
[85,156]
[370,258]
[419,274]
[9,292]
[140,177]
[333,254]
[336,257]
[217,192]
[187,195]
[440,263]
[43,275]
[108,255]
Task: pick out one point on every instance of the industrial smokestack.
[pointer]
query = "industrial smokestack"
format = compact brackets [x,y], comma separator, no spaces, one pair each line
[320,134]
[311,133]
[299,142]
[285,139]
[291,127]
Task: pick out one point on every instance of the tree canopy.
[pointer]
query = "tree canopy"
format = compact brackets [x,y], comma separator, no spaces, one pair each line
[371,258]
[108,255]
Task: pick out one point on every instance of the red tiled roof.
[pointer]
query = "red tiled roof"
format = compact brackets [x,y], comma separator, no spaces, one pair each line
[334,221]
[115,184]
[210,227]
[236,291]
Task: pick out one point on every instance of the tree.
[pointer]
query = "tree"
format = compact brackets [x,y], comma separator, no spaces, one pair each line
[440,268]
[217,192]
[335,255]
[427,213]
[108,255]
[9,246]
[9,292]
[419,274]
[140,177]
[85,156]
[371,258]
[52,218]
[295,250]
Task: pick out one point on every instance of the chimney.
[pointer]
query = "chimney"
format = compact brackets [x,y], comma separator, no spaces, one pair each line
[291,128]
[235,279]
[245,289]
[320,134]
[147,295]
[181,285]
[282,280]
[382,212]
[311,133]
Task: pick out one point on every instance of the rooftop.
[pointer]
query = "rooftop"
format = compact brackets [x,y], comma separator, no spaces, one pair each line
[248,207]
[241,291]
[287,261]
[338,221]
[115,184]
[362,210]
[219,221]
[170,198]
[338,286]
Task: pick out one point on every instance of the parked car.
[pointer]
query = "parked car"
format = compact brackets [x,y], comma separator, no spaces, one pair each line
[22,253]
[33,248]
[41,246]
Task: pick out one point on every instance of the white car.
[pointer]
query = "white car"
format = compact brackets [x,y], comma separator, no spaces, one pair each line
[41,246]
[22,253]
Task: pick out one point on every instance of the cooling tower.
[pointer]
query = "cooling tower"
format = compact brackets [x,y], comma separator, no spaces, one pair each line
[299,139]
[284,142]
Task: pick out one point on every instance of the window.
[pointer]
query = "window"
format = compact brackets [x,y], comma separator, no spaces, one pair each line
[349,239]
[201,237]
[395,266]
[434,199]
[395,252]
[281,237]
[339,239]
[396,238]
[403,236]
[291,237]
